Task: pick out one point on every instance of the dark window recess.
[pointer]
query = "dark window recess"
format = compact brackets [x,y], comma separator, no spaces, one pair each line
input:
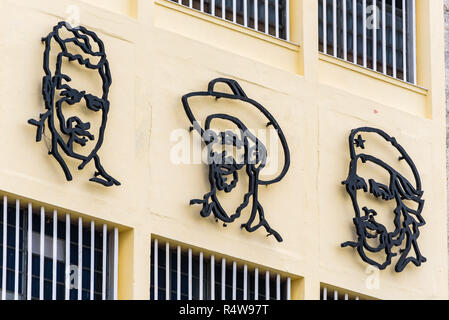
[11,252]
[161,286]
[379,23]
[250,23]
[48,257]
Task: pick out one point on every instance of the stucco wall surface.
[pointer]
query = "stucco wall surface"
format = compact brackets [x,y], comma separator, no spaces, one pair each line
[151,69]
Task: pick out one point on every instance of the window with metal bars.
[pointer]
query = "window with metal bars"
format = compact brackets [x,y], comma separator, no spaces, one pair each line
[9,252]
[376,34]
[268,16]
[35,265]
[193,276]
[328,293]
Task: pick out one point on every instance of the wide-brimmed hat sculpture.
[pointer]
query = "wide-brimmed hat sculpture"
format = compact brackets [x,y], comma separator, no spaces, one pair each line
[376,245]
[224,168]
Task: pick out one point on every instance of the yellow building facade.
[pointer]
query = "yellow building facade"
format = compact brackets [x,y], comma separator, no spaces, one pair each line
[160,50]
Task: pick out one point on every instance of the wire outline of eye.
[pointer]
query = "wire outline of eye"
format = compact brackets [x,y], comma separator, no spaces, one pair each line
[72,95]
[380,190]
[356,183]
[93,103]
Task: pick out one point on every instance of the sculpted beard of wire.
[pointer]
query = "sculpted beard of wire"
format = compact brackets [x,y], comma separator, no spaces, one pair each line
[74,131]
[407,221]
[224,168]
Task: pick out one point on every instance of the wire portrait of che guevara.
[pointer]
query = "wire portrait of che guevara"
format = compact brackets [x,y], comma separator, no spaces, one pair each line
[70,110]
[225,166]
[396,197]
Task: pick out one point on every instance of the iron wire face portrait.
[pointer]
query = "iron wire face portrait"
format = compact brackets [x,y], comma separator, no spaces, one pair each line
[70,109]
[396,196]
[225,168]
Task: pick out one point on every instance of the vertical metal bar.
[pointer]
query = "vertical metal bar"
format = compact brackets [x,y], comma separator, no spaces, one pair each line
[256,284]
[256,13]
[223,279]
[413,13]
[116,248]
[178,273]
[104,263]
[245,282]
[289,288]
[234,11]
[201,277]
[287,19]
[345,32]
[266,17]
[335,295]
[384,38]
[202,5]
[55,253]
[276,17]
[325,26]
[404,40]
[212,8]
[234,280]
[190,3]
[365,53]
[67,257]
[212,277]
[278,287]
[156,267]
[92,259]
[346,295]
[393,31]
[375,35]
[30,249]
[334,26]
[80,258]
[223,9]
[167,271]
[5,244]
[42,255]
[267,285]
[190,274]
[354,31]
[245,13]
[324,293]
[16,262]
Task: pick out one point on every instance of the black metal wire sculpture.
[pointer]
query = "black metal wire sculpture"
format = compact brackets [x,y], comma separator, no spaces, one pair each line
[223,166]
[78,46]
[407,220]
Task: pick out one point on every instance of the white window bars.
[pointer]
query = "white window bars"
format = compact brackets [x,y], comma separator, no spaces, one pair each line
[336,294]
[179,274]
[271,17]
[35,246]
[375,34]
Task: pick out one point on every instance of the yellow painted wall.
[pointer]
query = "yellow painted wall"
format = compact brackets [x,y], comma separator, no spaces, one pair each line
[156,56]
[126,7]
